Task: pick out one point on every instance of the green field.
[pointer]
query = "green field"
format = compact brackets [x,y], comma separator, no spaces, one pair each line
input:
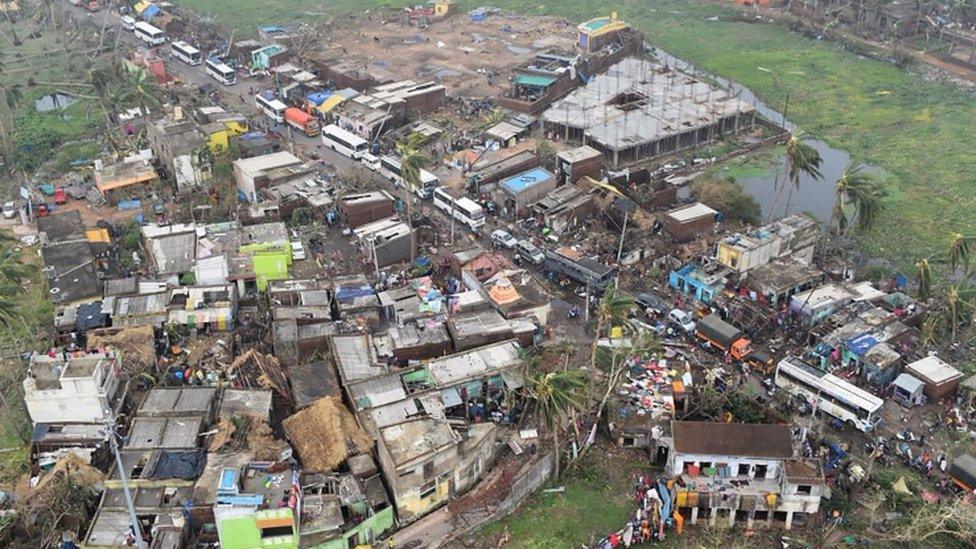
[919,131]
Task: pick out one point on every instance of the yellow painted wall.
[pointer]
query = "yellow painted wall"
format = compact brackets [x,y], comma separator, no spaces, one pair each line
[419,506]
[236,128]
[727,254]
[218,141]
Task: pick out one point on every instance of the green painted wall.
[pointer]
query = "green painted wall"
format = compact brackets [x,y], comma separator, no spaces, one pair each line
[378,523]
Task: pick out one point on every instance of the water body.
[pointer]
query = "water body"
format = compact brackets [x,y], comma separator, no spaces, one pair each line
[51,102]
[813,196]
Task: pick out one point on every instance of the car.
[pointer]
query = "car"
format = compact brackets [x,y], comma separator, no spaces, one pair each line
[128,22]
[370,161]
[530,252]
[9,210]
[682,319]
[297,250]
[503,239]
[650,301]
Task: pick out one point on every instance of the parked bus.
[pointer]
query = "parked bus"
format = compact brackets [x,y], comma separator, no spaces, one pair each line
[185,53]
[390,168]
[829,394]
[149,34]
[302,121]
[463,209]
[220,72]
[271,107]
[584,270]
[343,142]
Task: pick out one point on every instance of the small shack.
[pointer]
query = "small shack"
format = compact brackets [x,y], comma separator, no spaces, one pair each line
[908,390]
[521,189]
[941,380]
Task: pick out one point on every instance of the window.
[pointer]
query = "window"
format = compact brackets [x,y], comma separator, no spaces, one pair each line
[275,531]
[428,470]
[804,489]
[743,470]
[428,488]
[628,442]
[761,471]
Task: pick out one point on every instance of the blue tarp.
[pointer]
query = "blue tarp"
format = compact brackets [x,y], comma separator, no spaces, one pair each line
[318,97]
[150,12]
[133,204]
[861,344]
[350,293]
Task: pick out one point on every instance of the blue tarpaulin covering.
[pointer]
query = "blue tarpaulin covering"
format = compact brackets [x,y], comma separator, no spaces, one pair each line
[133,204]
[318,97]
[861,344]
[150,12]
[347,294]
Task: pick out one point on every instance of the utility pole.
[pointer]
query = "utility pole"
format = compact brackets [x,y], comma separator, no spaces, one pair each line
[113,443]
[620,250]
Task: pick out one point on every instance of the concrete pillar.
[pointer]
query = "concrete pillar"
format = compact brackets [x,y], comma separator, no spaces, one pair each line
[769,517]
[731,518]
[694,515]
[712,516]
[749,519]
[789,519]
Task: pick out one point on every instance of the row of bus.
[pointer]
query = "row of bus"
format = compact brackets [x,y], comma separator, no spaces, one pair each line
[186,53]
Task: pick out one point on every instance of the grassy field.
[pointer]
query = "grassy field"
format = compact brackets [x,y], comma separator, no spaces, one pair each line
[596,502]
[919,131]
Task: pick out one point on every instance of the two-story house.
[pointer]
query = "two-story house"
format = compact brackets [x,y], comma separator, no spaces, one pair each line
[734,472]
[76,387]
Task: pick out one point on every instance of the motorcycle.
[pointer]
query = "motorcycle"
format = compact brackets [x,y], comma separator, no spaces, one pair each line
[574,312]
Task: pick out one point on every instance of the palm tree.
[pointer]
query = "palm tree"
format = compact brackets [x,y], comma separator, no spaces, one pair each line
[801,158]
[612,309]
[923,272]
[864,193]
[556,395]
[960,253]
[411,161]
[138,86]
[12,96]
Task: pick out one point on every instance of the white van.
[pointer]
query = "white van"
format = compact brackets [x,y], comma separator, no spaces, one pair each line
[530,252]
[128,22]
[371,161]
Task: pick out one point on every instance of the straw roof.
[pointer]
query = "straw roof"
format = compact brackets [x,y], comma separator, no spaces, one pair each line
[136,343]
[325,434]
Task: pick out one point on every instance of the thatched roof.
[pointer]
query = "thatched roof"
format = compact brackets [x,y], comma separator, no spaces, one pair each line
[325,434]
[136,343]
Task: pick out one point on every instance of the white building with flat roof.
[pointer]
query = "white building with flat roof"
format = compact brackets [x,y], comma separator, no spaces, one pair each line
[72,388]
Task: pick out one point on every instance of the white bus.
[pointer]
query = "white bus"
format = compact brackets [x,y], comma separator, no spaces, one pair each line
[149,34]
[390,168]
[463,209]
[829,394]
[343,142]
[185,53]
[271,107]
[220,72]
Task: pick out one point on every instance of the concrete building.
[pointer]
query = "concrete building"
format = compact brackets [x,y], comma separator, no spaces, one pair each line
[172,249]
[689,222]
[429,445]
[735,472]
[794,236]
[387,106]
[252,173]
[639,109]
[775,283]
[178,147]
[518,191]
[484,178]
[73,387]
[358,209]
[941,380]
[386,242]
[702,282]
[576,163]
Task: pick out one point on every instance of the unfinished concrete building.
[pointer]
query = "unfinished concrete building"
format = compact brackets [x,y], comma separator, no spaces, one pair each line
[640,109]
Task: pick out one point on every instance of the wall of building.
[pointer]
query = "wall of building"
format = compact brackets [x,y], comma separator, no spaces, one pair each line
[678,461]
[79,400]
[364,532]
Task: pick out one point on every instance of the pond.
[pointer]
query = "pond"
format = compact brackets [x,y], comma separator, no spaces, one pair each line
[812,196]
[52,102]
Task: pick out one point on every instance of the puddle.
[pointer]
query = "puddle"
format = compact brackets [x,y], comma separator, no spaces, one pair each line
[52,102]
[813,196]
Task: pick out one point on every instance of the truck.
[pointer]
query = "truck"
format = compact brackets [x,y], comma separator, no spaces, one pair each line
[302,121]
[724,336]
